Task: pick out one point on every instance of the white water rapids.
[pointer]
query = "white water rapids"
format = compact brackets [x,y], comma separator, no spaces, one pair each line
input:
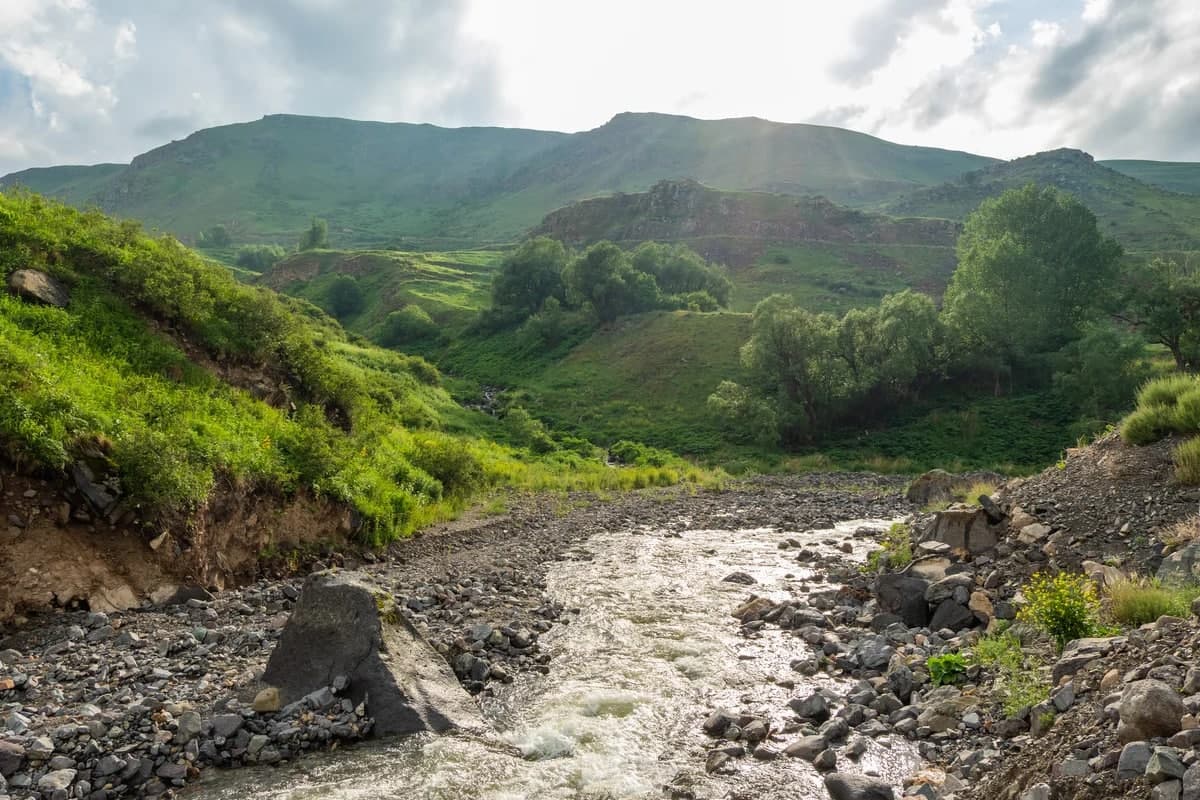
[651,653]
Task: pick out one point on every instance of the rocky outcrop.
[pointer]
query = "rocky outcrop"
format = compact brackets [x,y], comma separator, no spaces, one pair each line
[346,630]
[38,287]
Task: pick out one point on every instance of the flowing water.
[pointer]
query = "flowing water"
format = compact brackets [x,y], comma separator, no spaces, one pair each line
[651,652]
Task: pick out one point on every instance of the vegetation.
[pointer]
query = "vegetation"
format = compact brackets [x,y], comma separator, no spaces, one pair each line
[1019,683]
[361,425]
[1063,606]
[1169,405]
[946,669]
[259,257]
[317,235]
[895,551]
[1138,601]
[1162,300]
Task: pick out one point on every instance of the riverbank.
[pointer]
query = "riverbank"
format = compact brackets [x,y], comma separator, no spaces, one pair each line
[137,703]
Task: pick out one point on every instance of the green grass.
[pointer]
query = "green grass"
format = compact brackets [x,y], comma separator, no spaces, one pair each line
[1139,601]
[362,425]
[1174,176]
[1168,405]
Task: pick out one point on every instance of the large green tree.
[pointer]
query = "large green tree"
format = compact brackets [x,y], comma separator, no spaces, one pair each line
[680,270]
[604,278]
[530,276]
[1032,268]
[317,235]
[1162,300]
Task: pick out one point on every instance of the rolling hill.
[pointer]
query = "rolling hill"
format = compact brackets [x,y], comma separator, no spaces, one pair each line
[1174,176]
[1142,217]
[380,183]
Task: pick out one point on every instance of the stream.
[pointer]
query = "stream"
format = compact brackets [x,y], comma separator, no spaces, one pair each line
[652,651]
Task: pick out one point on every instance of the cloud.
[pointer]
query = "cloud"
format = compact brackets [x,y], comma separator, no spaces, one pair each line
[879,33]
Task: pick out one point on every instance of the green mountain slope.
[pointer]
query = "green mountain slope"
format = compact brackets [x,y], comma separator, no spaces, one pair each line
[1140,216]
[1175,176]
[377,183]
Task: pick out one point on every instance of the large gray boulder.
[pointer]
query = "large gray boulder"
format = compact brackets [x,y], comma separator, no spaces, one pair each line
[935,486]
[904,596]
[344,626]
[38,287]
[964,528]
[848,786]
[1182,566]
[1149,708]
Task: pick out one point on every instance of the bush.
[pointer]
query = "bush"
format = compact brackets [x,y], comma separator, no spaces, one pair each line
[1147,424]
[259,257]
[1136,602]
[450,461]
[635,453]
[345,296]
[895,549]
[971,494]
[1187,412]
[1063,606]
[1187,462]
[1001,651]
[1181,533]
[1166,391]
[409,323]
[527,431]
[946,669]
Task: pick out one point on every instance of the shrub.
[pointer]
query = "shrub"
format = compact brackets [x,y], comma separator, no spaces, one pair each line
[1187,412]
[1063,606]
[527,431]
[946,669]
[345,296]
[1001,651]
[971,494]
[1147,424]
[259,257]
[895,549]
[1187,462]
[1183,532]
[636,453]
[407,324]
[450,461]
[1165,391]
[1022,689]
[1138,601]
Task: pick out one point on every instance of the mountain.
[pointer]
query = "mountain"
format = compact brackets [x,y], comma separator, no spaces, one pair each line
[1141,216]
[1175,176]
[378,183]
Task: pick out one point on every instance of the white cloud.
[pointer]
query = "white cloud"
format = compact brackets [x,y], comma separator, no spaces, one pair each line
[1045,34]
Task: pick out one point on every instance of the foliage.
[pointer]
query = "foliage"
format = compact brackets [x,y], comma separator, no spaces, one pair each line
[627,452]
[1187,462]
[971,494]
[1019,684]
[528,431]
[1183,532]
[530,276]
[1138,601]
[1100,372]
[1063,606]
[1033,267]
[604,278]
[1022,689]
[1002,651]
[406,325]
[895,551]
[216,236]
[745,416]
[946,668]
[678,270]
[259,257]
[1162,300]
[316,237]
[1147,424]
[345,296]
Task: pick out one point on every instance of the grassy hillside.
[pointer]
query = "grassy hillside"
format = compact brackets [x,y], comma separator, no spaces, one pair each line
[379,184]
[1174,176]
[174,378]
[1142,217]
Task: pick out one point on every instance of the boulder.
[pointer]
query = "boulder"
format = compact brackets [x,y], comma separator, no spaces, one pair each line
[847,786]
[1182,566]
[1034,533]
[963,528]
[38,287]
[342,625]
[1149,708]
[1080,652]
[953,615]
[11,757]
[903,596]
[935,486]
[947,588]
[1134,758]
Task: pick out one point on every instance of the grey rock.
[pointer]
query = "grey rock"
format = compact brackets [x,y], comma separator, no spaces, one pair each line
[12,755]
[189,728]
[825,760]
[1182,566]
[108,765]
[739,577]
[1039,791]
[56,780]
[846,786]
[342,625]
[814,707]
[1167,790]
[38,287]
[806,747]
[1149,708]
[1164,765]
[903,596]
[1134,758]
[900,682]
[952,615]
[1191,783]
[945,588]
[226,725]
[874,652]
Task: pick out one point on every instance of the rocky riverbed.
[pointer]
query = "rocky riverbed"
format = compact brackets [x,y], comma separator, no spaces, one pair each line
[138,703]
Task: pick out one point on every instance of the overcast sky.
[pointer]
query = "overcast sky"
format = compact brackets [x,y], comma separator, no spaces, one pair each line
[84,81]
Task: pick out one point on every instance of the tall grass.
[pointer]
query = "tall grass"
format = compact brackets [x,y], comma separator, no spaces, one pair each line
[1169,405]
[1139,601]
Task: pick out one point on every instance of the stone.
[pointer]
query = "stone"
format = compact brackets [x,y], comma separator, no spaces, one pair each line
[806,747]
[342,625]
[1063,697]
[739,577]
[1134,758]
[935,486]
[945,588]
[981,606]
[952,615]
[267,701]
[903,596]
[1074,768]
[1110,681]
[1039,791]
[11,757]
[1034,534]
[814,707]
[874,652]
[1191,783]
[1080,652]
[825,760]
[226,725]
[1149,708]
[900,682]
[1182,566]
[189,728]
[962,528]
[846,786]
[1167,790]
[38,287]
[56,780]
[1164,765]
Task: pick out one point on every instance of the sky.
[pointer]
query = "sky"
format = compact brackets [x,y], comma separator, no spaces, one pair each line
[87,81]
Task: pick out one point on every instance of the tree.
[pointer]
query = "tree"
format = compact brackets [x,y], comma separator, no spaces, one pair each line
[1162,300]
[216,236]
[1099,373]
[794,355]
[603,278]
[407,324]
[530,276]
[680,270]
[317,235]
[345,296]
[1032,268]
[259,257]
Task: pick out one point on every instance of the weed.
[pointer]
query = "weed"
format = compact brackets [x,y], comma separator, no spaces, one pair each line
[895,550]
[947,668]
[1138,601]
[1181,533]
[1187,462]
[1063,606]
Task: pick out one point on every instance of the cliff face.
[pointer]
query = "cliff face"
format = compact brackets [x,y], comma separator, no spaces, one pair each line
[684,209]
